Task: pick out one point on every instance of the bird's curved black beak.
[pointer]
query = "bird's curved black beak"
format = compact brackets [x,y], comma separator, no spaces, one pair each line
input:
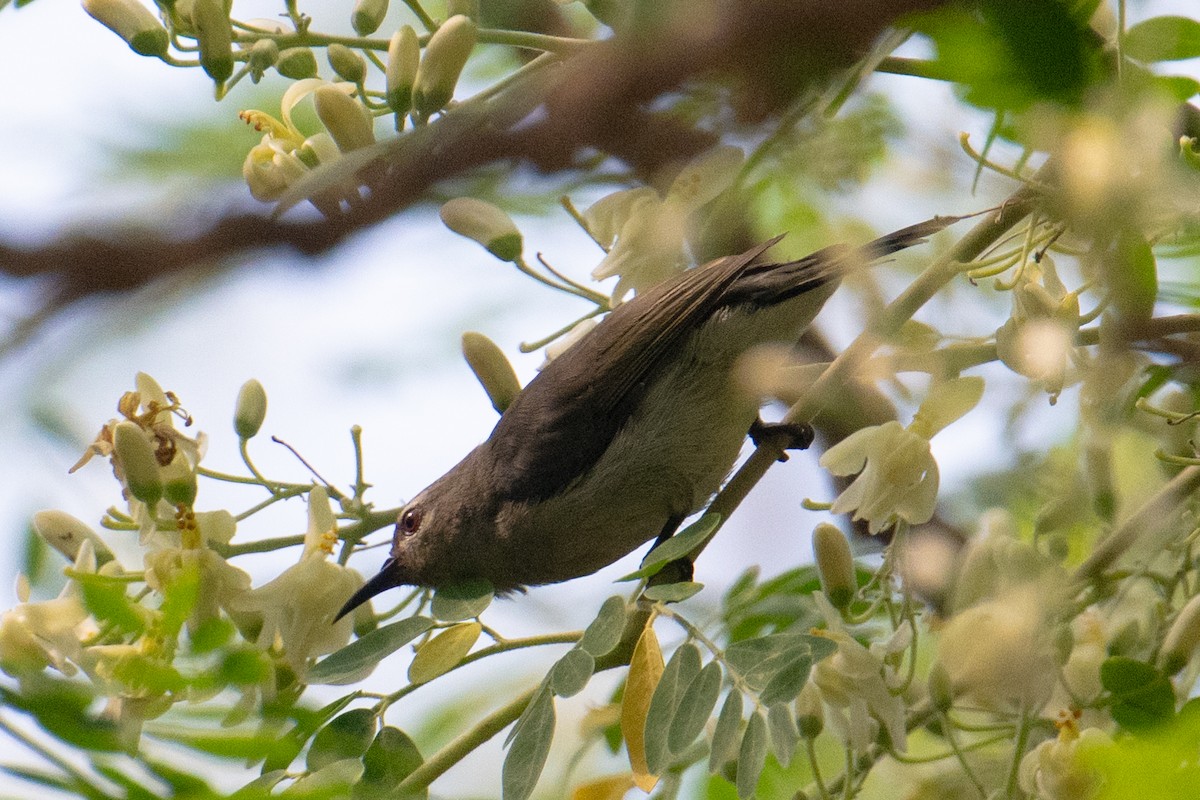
[387,578]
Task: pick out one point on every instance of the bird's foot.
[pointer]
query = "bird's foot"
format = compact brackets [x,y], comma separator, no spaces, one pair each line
[681,570]
[785,435]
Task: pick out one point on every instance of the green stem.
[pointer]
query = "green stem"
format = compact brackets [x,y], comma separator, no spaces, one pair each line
[1014,769]
[50,756]
[260,546]
[455,751]
[427,21]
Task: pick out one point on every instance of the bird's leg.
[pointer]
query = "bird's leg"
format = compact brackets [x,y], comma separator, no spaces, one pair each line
[678,570]
[785,435]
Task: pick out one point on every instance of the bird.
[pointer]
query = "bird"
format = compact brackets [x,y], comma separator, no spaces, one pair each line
[622,436]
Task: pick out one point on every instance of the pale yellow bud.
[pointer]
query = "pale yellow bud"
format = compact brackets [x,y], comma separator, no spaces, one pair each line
[251,409]
[404,57]
[133,22]
[66,534]
[810,711]
[444,59]
[368,16]
[492,368]
[215,37]
[835,564]
[135,454]
[263,56]
[1182,638]
[484,223]
[348,122]
[348,64]
[179,481]
[296,63]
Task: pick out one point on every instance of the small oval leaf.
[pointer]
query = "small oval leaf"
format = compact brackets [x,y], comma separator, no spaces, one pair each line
[443,652]
[645,672]
[462,600]
[788,681]
[672,592]
[348,664]
[678,674]
[752,756]
[345,736]
[530,745]
[1163,39]
[695,707]
[603,634]
[784,733]
[391,758]
[725,736]
[571,673]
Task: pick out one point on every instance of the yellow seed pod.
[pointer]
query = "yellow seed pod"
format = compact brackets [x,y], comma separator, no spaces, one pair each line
[348,64]
[368,16]
[135,454]
[444,59]
[492,368]
[1182,638]
[404,56]
[133,22]
[215,37]
[348,122]
[485,223]
[835,564]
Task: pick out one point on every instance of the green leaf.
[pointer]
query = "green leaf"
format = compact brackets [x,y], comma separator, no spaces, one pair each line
[758,660]
[604,632]
[223,743]
[282,750]
[752,756]
[260,787]
[1163,39]
[107,602]
[529,747]
[677,675]
[61,708]
[726,735]
[672,592]
[784,733]
[695,707]
[1133,276]
[345,736]
[789,680]
[348,664]
[1142,696]
[443,652]
[211,634]
[463,600]
[677,546]
[572,672]
[391,758]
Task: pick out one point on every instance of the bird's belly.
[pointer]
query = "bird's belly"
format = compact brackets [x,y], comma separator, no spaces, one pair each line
[664,464]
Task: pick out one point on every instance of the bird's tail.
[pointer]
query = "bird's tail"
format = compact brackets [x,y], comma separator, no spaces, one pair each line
[906,237]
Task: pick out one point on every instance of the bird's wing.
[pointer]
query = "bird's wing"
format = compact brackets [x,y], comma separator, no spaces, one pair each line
[566,417]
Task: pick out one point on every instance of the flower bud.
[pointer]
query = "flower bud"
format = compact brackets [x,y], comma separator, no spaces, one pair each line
[484,223]
[133,22]
[297,63]
[66,534]
[368,16]
[348,121]
[810,713]
[444,59]
[251,409]
[263,56]
[135,454]
[348,64]
[215,37]
[404,57]
[492,369]
[941,692]
[179,481]
[835,565]
[1182,638]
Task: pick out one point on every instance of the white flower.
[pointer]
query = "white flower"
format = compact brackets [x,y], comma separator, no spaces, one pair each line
[644,233]
[1059,769]
[855,683]
[285,154]
[219,583]
[297,608]
[898,478]
[1002,651]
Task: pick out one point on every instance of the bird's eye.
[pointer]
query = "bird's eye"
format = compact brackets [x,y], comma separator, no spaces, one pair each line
[409,522]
